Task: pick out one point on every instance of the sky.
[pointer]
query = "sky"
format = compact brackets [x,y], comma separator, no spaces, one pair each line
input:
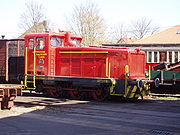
[163,13]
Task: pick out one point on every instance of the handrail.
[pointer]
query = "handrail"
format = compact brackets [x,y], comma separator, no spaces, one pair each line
[26,70]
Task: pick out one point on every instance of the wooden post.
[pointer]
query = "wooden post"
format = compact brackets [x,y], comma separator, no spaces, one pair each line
[7,57]
[18,48]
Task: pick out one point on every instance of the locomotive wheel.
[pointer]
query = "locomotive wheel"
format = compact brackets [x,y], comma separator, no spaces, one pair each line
[39,87]
[100,94]
[53,92]
[75,94]
[59,91]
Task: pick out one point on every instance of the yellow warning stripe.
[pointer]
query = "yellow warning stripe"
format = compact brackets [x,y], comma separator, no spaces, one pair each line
[127,91]
[113,86]
[133,92]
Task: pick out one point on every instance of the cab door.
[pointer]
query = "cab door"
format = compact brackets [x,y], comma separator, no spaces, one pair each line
[41,56]
[37,60]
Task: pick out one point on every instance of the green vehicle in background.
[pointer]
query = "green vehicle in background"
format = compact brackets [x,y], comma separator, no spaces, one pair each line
[168,76]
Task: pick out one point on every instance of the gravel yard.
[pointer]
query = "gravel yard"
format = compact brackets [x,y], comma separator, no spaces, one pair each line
[43,115]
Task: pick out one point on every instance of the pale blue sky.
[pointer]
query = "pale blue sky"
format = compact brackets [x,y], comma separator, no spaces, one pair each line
[164,13]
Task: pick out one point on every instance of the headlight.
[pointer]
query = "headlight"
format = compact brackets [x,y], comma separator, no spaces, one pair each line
[146,73]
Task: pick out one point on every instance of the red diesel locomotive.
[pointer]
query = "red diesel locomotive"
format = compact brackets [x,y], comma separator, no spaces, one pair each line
[57,64]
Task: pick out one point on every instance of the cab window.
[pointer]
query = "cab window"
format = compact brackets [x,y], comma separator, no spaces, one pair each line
[56,41]
[40,43]
[75,41]
[31,43]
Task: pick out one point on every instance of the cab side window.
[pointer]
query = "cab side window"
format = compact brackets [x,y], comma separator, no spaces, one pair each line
[75,41]
[31,43]
[40,43]
[56,41]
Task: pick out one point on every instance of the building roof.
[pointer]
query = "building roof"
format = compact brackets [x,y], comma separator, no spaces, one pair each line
[6,40]
[168,36]
[126,40]
[37,28]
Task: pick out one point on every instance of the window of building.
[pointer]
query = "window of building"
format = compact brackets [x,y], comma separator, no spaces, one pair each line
[56,41]
[163,57]
[149,57]
[155,57]
[170,57]
[176,56]
[178,32]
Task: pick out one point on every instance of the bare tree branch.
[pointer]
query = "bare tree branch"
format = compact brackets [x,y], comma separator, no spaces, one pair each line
[33,15]
[87,22]
[116,33]
[142,27]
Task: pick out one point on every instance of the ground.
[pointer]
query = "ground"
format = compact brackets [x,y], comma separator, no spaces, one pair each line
[39,115]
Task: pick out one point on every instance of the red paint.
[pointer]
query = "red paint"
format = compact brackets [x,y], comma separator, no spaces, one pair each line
[72,59]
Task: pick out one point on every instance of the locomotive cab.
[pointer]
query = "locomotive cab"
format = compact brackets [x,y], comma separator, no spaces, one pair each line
[40,50]
[40,53]
[35,54]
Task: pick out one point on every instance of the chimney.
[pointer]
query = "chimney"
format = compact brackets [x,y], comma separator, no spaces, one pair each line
[2,36]
[45,24]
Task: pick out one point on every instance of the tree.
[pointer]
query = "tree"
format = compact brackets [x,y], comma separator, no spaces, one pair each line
[87,22]
[116,33]
[142,27]
[32,16]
